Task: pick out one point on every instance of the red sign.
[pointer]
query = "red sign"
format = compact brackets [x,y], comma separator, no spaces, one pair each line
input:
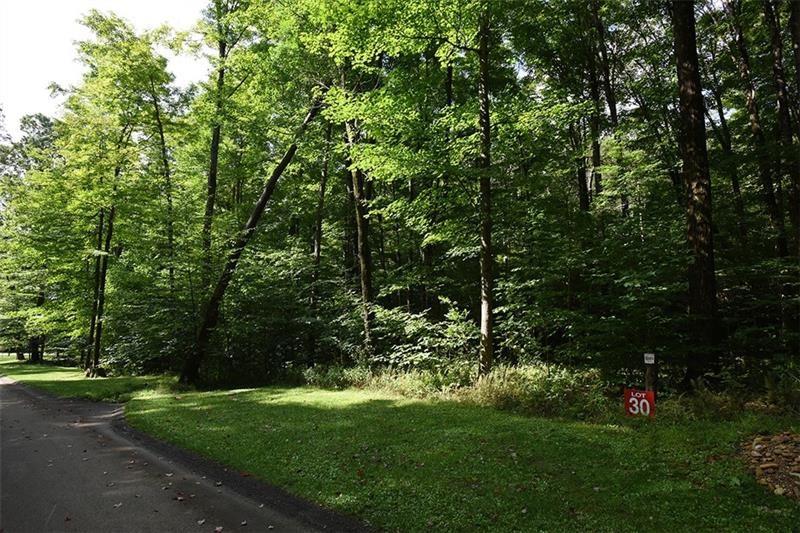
[640,402]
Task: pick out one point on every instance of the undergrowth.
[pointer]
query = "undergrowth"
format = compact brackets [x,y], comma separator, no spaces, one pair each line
[547,390]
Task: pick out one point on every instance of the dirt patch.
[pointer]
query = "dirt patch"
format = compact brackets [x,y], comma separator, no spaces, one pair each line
[775,460]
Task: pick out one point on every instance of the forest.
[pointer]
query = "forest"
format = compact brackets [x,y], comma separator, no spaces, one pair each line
[451,188]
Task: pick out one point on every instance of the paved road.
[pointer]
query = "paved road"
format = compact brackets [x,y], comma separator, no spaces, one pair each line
[69,465]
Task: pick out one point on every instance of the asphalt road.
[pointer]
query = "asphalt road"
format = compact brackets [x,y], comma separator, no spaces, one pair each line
[70,465]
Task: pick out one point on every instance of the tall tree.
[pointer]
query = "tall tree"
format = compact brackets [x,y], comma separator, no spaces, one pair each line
[226,35]
[363,249]
[485,202]
[794,30]
[789,162]
[700,233]
[741,55]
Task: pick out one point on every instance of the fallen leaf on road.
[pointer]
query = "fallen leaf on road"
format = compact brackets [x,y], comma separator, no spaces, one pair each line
[218,529]
[244,523]
[117,505]
[201,521]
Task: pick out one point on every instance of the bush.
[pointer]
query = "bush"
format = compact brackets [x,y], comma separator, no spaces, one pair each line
[547,390]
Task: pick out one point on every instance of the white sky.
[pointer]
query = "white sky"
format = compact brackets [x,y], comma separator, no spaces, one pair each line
[36,46]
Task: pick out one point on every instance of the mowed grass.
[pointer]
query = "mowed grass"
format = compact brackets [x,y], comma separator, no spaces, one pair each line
[71,382]
[412,465]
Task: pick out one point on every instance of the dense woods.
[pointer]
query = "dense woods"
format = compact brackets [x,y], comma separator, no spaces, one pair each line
[418,184]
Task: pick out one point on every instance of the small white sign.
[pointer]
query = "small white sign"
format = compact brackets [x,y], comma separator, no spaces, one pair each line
[649,358]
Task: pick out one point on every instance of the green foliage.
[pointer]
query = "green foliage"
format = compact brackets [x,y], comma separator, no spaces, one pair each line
[588,289]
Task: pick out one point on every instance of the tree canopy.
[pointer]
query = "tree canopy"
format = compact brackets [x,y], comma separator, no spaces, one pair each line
[415,184]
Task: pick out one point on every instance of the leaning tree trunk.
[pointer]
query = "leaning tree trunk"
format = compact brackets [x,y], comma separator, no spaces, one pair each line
[191,366]
[486,357]
[790,163]
[773,203]
[700,235]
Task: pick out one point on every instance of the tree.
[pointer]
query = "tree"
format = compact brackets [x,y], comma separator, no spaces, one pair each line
[485,165]
[789,162]
[700,234]
[773,204]
[191,368]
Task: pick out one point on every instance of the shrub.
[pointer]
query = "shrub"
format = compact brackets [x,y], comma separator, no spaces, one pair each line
[540,389]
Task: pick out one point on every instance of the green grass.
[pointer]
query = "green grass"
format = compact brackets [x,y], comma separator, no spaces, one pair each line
[414,465]
[70,381]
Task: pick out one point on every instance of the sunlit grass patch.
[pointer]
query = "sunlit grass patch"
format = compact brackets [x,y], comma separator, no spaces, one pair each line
[71,382]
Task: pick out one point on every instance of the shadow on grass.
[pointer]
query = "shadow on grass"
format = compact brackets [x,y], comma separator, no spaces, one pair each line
[416,465]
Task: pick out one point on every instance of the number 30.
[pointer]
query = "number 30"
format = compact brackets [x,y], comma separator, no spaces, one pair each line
[639,406]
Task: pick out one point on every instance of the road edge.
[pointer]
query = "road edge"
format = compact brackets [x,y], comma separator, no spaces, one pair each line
[245,485]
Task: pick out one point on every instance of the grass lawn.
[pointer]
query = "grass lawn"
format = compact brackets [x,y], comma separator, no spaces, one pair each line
[412,465]
[70,381]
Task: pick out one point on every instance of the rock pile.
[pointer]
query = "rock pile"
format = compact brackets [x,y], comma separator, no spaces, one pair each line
[775,459]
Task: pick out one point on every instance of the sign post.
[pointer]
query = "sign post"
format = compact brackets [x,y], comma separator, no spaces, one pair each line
[650,372]
[643,402]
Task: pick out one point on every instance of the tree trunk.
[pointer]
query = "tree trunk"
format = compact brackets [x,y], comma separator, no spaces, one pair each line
[608,86]
[101,294]
[36,342]
[317,244]
[702,276]
[771,201]
[97,264]
[580,167]
[486,358]
[350,247]
[789,162]
[363,252]
[33,348]
[318,216]
[594,123]
[723,135]
[167,188]
[211,185]
[794,29]
[191,367]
